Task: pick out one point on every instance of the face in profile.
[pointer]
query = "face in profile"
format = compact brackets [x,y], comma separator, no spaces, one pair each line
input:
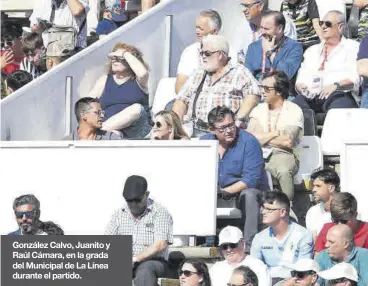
[203,27]
[94,116]
[161,130]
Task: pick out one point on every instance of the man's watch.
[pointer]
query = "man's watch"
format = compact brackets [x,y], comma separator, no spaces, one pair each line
[338,86]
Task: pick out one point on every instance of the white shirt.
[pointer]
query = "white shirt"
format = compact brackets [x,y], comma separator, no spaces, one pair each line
[190,60]
[63,17]
[316,217]
[340,64]
[221,271]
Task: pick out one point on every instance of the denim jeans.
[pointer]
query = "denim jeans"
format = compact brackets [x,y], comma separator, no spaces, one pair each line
[364,102]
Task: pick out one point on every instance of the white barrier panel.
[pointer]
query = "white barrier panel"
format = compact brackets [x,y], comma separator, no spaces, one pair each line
[80,184]
[38,111]
[353,171]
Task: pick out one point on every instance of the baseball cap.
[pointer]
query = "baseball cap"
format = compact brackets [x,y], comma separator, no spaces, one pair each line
[117,11]
[55,49]
[304,264]
[230,234]
[340,270]
[135,187]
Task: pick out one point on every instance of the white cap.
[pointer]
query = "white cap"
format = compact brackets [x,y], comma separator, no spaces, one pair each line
[340,270]
[230,234]
[304,264]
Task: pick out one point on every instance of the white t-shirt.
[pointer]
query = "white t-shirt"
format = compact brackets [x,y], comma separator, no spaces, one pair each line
[190,60]
[316,217]
[221,271]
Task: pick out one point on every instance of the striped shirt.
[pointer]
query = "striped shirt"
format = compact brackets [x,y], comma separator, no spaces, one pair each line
[363,23]
[27,66]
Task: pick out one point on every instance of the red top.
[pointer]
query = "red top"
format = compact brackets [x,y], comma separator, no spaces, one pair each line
[14,66]
[360,237]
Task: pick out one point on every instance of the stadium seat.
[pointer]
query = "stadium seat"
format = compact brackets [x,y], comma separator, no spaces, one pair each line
[310,123]
[165,92]
[346,124]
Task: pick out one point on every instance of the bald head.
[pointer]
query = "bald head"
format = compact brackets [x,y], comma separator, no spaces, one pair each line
[339,242]
[342,231]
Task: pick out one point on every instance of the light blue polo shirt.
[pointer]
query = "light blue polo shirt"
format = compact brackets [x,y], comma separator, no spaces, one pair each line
[278,254]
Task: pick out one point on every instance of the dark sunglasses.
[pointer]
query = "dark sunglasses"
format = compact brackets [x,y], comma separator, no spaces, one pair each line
[27,214]
[137,200]
[208,53]
[116,59]
[337,281]
[225,246]
[328,24]
[301,274]
[186,273]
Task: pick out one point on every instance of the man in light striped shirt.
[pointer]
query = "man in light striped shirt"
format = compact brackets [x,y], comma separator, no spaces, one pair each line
[33,50]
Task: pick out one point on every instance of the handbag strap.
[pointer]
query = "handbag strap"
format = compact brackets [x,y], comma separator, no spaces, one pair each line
[199,89]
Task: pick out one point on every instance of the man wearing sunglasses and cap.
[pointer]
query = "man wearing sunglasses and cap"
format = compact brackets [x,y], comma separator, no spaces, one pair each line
[232,248]
[341,274]
[151,226]
[303,273]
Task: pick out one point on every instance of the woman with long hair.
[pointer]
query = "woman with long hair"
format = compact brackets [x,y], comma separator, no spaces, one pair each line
[123,92]
[194,272]
[167,126]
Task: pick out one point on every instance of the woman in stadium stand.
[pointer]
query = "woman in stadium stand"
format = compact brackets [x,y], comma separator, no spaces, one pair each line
[167,126]
[123,93]
[194,273]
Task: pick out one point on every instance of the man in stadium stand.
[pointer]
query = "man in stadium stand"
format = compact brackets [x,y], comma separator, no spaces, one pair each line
[113,16]
[208,22]
[278,124]
[341,274]
[274,51]
[363,70]
[340,248]
[217,83]
[27,213]
[16,80]
[244,276]
[232,246]
[303,273]
[241,173]
[344,210]
[90,117]
[62,13]
[249,31]
[151,226]
[283,242]
[328,76]
[305,15]
[34,51]
[11,52]
[326,183]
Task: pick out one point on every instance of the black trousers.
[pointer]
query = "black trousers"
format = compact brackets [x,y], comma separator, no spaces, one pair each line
[147,272]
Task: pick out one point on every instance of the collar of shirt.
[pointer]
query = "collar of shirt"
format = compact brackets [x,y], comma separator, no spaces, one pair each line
[290,228]
[226,70]
[352,255]
[150,204]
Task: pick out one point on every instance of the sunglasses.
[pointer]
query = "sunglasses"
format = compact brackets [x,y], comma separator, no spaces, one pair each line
[208,53]
[186,273]
[266,88]
[301,274]
[225,246]
[116,59]
[137,200]
[337,281]
[22,214]
[328,24]
[222,129]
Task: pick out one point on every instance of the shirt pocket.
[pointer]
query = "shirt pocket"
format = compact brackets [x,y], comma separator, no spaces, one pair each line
[146,234]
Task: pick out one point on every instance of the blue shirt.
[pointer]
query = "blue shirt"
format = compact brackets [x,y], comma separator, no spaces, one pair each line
[287,59]
[278,254]
[358,258]
[17,232]
[105,27]
[243,161]
[363,54]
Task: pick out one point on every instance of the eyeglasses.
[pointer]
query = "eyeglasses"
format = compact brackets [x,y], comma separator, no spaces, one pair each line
[137,200]
[222,129]
[225,246]
[244,284]
[97,112]
[268,210]
[27,214]
[266,88]
[208,53]
[328,24]
[248,6]
[186,273]
[116,59]
[301,274]
[337,281]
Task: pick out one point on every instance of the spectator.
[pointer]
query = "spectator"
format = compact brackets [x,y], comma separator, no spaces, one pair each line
[243,276]
[123,92]
[241,173]
[274,50]
[344,210]
[194,272]
[207,23]
[340,248]
[305,16]
[283,242]
[304,273]
[278,124]
[217,83]
[328,76]
[27,213]
[16,80]
[11,53]
[55,55]
[326,183]
[232,246]
[250,30]
[90,118]
[62,13]
[150,252]
[363,70]
[167,126]
[112,15]
[341,274]
[362,17]
[34,52]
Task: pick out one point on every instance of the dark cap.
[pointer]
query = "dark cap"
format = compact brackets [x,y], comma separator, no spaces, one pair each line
[135,187]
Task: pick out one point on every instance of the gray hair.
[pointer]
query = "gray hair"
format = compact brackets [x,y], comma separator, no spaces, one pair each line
[26,200]
[215,18]
[219,43]
[340,16]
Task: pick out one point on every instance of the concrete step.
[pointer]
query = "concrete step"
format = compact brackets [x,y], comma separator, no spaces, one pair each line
[196,252]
